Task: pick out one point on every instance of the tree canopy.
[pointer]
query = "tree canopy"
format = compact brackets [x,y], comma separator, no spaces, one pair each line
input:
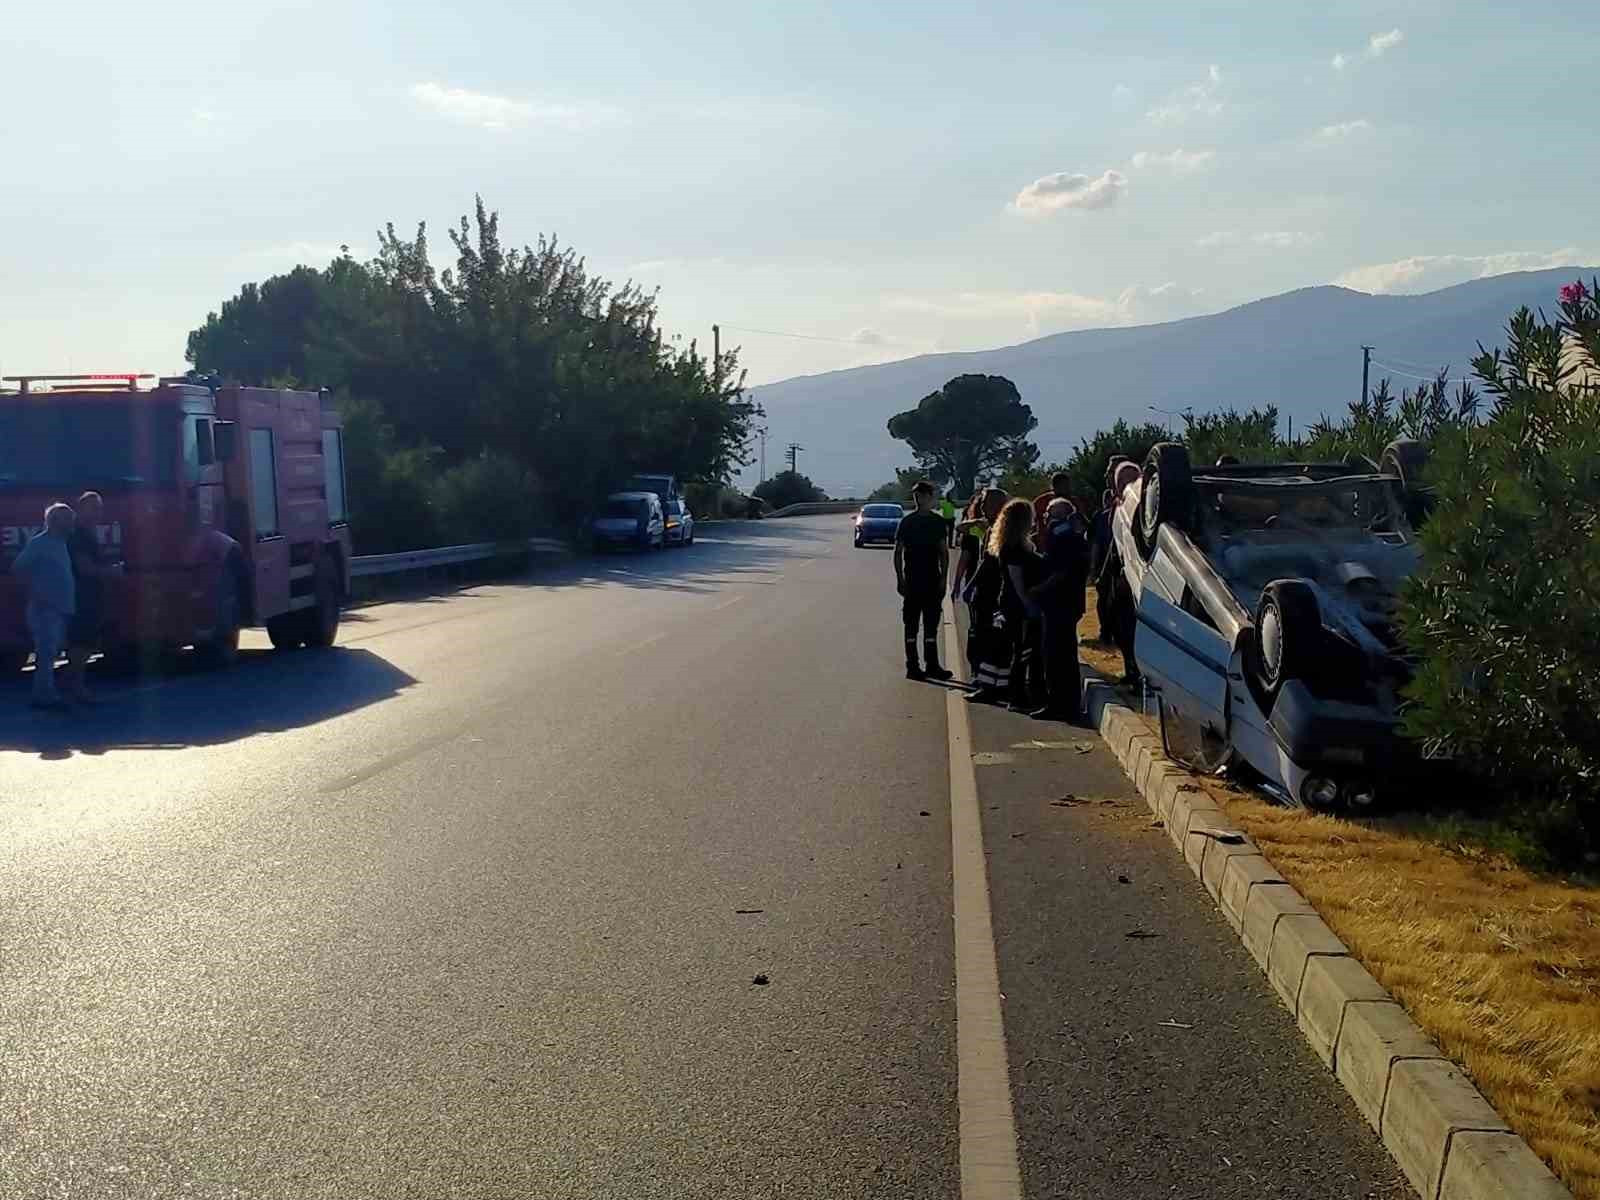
[519,354]
[789,487]
[974,426]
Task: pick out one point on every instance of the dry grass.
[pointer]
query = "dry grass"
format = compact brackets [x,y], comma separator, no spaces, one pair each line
[1500,966]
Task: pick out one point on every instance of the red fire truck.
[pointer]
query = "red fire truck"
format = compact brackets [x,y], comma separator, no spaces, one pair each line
[225,505]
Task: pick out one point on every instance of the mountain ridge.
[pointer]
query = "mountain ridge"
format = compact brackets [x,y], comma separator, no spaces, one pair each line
[1300,350]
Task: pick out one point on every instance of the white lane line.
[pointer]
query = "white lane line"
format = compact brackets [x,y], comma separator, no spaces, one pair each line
[730,602]
[649,641]
[989,1168]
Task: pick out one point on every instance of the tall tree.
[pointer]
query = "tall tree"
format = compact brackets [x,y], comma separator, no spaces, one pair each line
[975,425]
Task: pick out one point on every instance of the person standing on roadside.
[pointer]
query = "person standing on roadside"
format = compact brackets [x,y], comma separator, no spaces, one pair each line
[45,566]
[1023,571]
[89,570]
[947,512]
[1113,583]
[989,647]
[1060,601]
[921,560]
[1060,489]
[1099,548]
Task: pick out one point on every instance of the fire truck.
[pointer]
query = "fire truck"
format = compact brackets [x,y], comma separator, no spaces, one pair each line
[225,506]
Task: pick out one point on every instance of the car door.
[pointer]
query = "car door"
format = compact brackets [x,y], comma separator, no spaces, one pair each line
[1184,656]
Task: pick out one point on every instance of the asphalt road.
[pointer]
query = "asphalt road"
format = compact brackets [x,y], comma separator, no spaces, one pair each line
[473,904]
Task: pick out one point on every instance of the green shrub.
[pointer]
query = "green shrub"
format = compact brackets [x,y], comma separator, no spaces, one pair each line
[1505,612]
[490,498]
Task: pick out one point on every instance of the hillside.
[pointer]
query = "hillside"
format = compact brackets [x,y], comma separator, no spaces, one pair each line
[1300,350]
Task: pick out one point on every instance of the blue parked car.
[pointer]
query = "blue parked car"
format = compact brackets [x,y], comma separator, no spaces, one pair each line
[1266,599]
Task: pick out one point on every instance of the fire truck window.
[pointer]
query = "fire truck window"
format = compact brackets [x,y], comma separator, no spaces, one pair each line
[263,483]
[333,473]
[204,443]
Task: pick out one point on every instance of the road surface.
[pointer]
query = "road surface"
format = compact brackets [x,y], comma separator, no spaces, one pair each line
[474,905]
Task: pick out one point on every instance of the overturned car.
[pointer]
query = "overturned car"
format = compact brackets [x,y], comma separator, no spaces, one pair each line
[1266,599]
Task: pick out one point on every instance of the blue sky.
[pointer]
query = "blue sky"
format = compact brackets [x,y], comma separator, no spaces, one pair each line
[887,179]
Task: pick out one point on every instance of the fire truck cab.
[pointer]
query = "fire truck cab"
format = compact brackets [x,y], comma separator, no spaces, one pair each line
[225,506]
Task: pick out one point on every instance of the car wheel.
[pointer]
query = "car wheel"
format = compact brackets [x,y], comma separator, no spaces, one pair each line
[1167,497]
[221,649]
[1287,631]
[322,619]
[286,632]
[1406,459]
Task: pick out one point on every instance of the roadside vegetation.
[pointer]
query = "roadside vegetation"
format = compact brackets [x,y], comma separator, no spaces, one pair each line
[1480,909]
[498,398]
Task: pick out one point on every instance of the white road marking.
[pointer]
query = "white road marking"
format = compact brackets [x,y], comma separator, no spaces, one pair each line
[988,1132]
[729,602]
[640,645]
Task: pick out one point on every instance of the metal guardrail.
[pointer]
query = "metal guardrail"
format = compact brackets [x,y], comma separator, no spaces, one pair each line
[443,556]
[816,509]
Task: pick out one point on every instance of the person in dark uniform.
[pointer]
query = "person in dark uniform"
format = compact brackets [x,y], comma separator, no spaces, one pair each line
[921,560]
[1060,599]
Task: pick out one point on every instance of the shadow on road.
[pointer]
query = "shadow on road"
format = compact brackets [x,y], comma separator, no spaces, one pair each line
[186,705]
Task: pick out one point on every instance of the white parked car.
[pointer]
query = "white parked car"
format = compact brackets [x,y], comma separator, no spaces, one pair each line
[1266,600]
[631,519]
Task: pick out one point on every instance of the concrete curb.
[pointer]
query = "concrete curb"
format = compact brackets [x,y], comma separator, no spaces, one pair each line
[1448,1140]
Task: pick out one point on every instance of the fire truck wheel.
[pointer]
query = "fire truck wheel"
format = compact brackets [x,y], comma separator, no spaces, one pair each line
[221,649]
[287,632]
[322,620]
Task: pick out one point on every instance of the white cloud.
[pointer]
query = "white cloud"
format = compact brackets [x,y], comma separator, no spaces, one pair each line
[1285,239]
[501,112]
[1044,312]
[1181,161]
[1344,129]
[1066,190]
[868,337]
[1429,272]
[1273,239]
[1380,44]
[1196,100]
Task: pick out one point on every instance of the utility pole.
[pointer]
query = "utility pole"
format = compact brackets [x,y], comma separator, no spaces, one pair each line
[1366,366]
[793,454]
[716,357]
[763,454]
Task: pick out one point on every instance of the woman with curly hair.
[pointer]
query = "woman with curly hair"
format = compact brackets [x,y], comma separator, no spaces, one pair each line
[1010,544]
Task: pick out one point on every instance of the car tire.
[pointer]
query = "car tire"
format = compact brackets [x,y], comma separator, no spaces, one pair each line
[221,649]
[321,620]
[286,632]
[1285,638]
[1167,497]
[1406,459]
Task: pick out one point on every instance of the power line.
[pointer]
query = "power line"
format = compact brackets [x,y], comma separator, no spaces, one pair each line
[1390,367]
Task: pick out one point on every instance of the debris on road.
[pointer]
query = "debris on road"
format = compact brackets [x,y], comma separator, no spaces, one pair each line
[1066,801]
[1140,934]
[1123,879]
[761,981]
[748,912]
[924,813]
[1174,1025]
